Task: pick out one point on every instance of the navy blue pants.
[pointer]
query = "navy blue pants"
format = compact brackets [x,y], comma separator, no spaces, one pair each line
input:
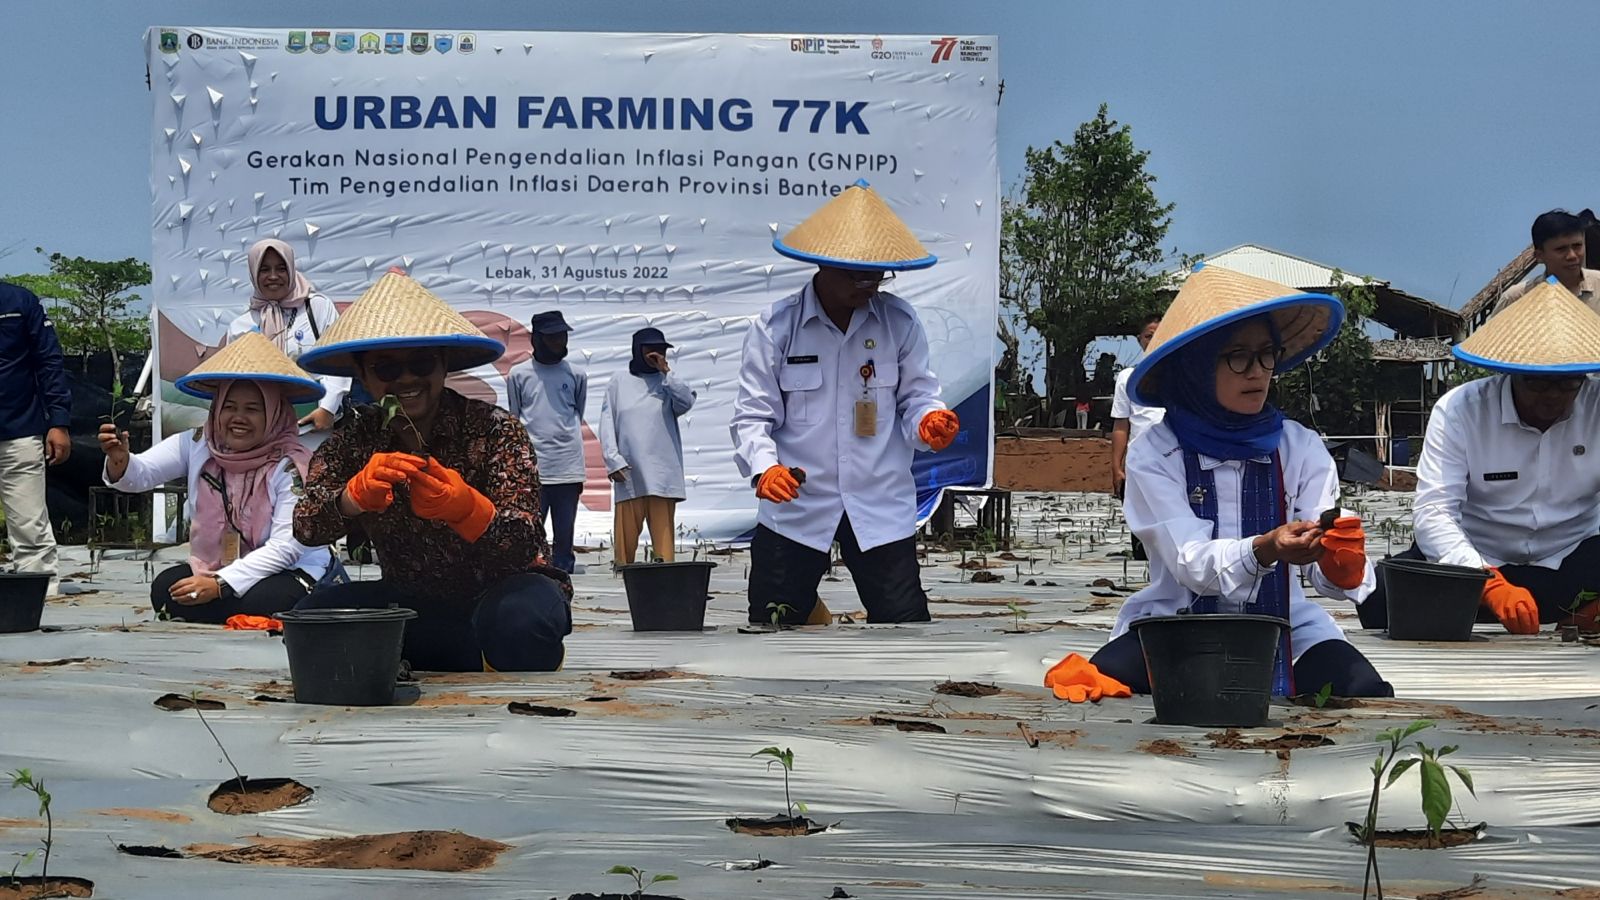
[516,625]
[1332,662]
[787,573]
[559,504]
[268,597]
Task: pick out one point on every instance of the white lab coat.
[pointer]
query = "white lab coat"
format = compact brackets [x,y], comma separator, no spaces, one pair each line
[639,432]
[549,399]
[301,336]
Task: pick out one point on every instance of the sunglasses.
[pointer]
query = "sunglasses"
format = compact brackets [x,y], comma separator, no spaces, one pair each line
[871,279]
[420,366]
[1239,360]
[1539,385]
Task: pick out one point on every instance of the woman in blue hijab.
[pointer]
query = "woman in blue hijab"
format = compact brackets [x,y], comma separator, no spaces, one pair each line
[1227,494]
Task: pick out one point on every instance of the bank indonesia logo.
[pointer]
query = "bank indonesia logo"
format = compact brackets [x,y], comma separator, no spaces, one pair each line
[371,43]
[320,41]
[808,45]
[394,42]
[466,43]
[344,41]
[297,42]
[443,42]
[195,41]
[169,42]
[419,42]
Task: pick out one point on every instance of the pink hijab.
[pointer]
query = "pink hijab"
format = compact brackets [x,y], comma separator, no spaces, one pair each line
[274,324]
[247,475]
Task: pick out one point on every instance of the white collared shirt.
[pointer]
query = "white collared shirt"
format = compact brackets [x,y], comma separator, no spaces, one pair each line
[1139,416]
[301,337]
[799,383]
[549,399]
[1492,490]
[1588,290]
[183,456]
[1185,557]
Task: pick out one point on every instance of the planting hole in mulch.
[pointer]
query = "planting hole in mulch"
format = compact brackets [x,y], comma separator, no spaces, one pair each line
[966,689]
[598,699]
[775,826]
[643,674]
[1232,740]
[534,709]
[907,724]
[175,702]
[34,887]
[628,896]
[260,795]
[150,851]
[429,851]
[986,578]
[1421,839]
[48,663]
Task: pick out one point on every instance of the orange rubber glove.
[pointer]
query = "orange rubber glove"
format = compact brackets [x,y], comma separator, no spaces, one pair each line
[438,492]
[1077,680]
[243,622]
[1512,605]
[1344,560]
[778,484]
[372,488]
[939,428]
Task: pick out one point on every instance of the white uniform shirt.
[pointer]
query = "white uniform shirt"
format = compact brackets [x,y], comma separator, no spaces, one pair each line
[1139,416]
[549,399]
[798,386]
[300,337]
[639,431]
[1184,556]
[184,454]
[1491,490]
[1588,290]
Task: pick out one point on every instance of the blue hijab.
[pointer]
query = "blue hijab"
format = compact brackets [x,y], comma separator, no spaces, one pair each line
[1188,389]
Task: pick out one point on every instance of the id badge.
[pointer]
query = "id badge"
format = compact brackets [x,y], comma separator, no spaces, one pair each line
[230,546]
[866,418]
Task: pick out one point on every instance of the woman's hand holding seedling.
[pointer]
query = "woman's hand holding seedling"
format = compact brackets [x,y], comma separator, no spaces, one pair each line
[114,444]
[1296,543]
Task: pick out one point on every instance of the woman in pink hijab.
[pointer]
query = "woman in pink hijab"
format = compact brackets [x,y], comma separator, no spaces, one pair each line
[289,312]
[245,469]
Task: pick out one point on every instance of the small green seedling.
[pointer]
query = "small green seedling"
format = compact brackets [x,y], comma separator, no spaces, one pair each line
[778,611]
[24,779]
[638,878]
[1017,613]
[784,757]
[1436,797]
[390,404]
[194,701]
[1320,698]
[1580,601]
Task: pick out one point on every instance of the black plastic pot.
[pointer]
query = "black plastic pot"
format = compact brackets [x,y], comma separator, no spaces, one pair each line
[22,601]
[344,657]
[668,596]
[1210,669]
[1431,601]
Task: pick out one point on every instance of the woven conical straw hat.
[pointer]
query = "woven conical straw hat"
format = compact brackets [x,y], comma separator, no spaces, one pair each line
[1213,297]
[856,230]
[398,313]
[1546,331]
[250,357]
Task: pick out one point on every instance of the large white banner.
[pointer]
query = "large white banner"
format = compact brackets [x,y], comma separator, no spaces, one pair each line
[625,179]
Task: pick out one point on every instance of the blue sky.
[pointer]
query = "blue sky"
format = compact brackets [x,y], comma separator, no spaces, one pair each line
[1411,141]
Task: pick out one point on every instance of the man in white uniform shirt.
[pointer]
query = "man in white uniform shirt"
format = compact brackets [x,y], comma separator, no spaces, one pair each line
[1510,466]
[835,394]
[548,394]
[1129,420]
[1559,245]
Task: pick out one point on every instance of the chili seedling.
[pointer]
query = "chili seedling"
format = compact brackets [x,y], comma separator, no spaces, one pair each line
[24,779]
[638,878]
[1018,614]
[778,611]
[784,757]
[390,404]
[1436,797]
[194,701]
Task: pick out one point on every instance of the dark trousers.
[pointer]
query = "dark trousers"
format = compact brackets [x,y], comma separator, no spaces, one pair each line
[783,572]
[516,625]
[1332,662]
[1553,589]
[559,503]
[269,596]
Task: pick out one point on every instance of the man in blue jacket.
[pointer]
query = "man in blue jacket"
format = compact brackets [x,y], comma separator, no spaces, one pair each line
[35,409]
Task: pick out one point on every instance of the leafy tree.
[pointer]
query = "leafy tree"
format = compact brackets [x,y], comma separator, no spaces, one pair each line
[1080,243]
[89,302]
[1334,391]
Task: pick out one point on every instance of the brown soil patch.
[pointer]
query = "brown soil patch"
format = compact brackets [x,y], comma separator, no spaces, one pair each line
[145,815]
[978,565]
[774,826]
[32,888]
[455,698]
[260,795]
[1232,740]
[1423,840]
[644,674]
[987,578]
[176,702]
[38,665]
[966,689]
[990,601]
[430,851]
[907,724]
[1164,747]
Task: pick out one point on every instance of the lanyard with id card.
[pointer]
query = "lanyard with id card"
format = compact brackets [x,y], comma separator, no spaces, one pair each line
[866,407]
[230,532]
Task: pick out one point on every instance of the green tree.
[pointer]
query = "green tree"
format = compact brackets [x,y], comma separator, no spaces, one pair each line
[1334,392]
[1080,245]
[89,302]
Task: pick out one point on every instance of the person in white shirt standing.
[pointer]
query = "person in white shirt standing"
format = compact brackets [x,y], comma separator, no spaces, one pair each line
[1508,478]
[643,448]
[290,313]
[835,394]
[549,396]
[1227,494]
[1129,420]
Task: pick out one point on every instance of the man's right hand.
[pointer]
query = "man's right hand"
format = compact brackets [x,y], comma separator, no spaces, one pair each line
[1513,606]
[778,485]
[372,488]
[620,475]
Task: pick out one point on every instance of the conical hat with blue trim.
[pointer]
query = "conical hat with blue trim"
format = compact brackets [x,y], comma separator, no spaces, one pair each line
[398,313]
[1547,331]
[1213,298]
[250,357]
[856,230]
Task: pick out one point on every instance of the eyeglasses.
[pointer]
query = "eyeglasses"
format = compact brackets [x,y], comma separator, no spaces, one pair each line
[871,279]
[420,366]
[1239,360]
[1540,385]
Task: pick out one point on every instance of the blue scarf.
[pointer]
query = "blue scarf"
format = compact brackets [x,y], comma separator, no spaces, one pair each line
[1188,389]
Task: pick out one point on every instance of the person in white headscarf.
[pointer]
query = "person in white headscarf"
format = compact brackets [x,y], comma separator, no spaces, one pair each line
[291,314]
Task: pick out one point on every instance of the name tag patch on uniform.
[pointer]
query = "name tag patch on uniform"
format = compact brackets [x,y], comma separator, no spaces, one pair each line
[1499,476]
[800,360]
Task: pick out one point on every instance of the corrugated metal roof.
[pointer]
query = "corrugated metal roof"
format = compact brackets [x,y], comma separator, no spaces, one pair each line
[1284,268]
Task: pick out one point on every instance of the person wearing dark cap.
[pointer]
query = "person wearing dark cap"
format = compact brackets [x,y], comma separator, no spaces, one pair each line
[1559,245]
[549,396]
[642,447]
